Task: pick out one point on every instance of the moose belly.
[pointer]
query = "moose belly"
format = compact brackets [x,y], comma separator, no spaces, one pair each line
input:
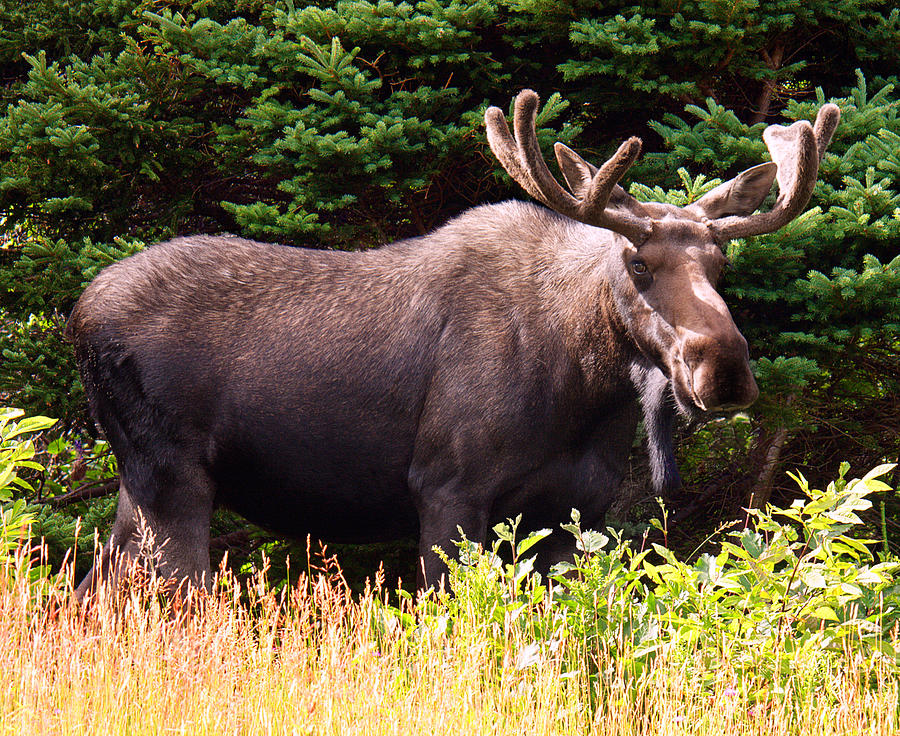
[331,479]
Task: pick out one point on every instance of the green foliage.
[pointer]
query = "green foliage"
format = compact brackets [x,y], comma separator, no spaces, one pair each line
[36,292]
[780,592]
[16,518]
[44,493]
[17,453]
[661,51]
[39,367]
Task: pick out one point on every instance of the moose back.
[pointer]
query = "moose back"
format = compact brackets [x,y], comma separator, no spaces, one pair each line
[497,366]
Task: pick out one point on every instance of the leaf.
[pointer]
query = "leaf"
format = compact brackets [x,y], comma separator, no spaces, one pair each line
[531,540]
[7,414]
[56,447]
[867,576]
[31,424]
[6,475]
[850,589]
[502,531]
[878,471]
[826,613]
[591,541]
[800,480]
[813,578]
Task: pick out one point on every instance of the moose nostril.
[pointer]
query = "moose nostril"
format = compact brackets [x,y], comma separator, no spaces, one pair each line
[719,375]
[692,356]
[719,386]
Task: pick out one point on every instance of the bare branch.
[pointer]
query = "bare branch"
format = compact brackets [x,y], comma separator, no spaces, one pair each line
[87,491]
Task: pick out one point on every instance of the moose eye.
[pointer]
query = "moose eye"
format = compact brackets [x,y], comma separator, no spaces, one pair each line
[638,267]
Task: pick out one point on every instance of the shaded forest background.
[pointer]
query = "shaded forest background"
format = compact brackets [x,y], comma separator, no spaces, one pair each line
[350,124]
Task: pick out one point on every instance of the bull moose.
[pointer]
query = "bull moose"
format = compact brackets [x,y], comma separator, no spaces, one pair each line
[497,365]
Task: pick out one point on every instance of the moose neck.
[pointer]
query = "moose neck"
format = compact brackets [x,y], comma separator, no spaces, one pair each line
[580,288]
[555,274]
[588,295]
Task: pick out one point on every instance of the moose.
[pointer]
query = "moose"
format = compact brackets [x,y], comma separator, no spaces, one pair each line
[498,365]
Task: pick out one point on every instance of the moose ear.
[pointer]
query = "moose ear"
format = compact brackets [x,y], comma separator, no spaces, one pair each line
[575,170]
[579,173]
[740,196]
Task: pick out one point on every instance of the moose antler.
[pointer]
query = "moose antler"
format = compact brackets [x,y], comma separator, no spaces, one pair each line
[591,187]
[796,150]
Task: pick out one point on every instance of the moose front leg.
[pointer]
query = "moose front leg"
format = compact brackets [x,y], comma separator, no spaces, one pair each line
[442,513]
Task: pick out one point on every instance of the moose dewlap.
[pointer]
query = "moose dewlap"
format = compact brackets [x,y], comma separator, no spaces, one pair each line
[496,366]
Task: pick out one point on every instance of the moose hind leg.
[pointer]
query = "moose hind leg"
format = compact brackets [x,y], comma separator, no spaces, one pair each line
[167,535]
[120,554]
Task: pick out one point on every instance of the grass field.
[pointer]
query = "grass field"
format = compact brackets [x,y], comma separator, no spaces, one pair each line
[312,660]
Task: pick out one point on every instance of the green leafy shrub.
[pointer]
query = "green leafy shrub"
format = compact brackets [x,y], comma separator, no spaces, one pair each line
[785,589]
[16,453]
[54,493]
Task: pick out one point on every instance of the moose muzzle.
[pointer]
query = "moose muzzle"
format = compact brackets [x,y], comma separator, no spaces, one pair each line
[716,369]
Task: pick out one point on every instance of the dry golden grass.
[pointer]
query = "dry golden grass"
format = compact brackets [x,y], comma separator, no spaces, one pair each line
[315,661]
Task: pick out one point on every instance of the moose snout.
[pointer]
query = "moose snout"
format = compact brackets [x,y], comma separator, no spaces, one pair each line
[720,375]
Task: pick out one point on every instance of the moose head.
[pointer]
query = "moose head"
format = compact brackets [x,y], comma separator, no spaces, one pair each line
[671,257]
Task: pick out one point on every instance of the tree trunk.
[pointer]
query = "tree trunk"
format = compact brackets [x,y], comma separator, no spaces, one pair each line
[773,61]
[761,491]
